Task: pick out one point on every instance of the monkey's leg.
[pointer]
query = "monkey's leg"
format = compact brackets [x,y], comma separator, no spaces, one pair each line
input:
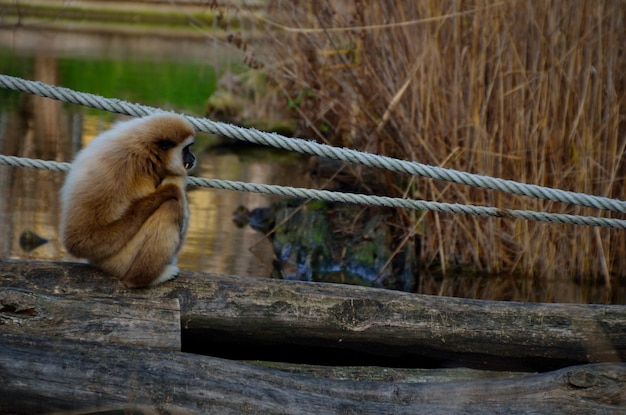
[147,258]
[88,243]
[171,270]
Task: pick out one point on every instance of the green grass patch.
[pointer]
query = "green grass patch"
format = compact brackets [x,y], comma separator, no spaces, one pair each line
[183,86]
[168,85]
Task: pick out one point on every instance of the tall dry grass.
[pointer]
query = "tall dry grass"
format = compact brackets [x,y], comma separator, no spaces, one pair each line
[533,91]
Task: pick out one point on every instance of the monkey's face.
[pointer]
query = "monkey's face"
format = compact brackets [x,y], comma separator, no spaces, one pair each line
[158,144]
[189,160]
[179,156]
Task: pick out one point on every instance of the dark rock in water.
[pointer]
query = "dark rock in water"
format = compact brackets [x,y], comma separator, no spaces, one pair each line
[29,240]
[259,219]
[339,243]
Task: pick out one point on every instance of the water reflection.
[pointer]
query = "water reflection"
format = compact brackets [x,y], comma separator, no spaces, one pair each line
[41,128]
[214,243]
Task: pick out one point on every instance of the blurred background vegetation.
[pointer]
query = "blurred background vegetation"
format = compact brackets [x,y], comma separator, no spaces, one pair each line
[528,91]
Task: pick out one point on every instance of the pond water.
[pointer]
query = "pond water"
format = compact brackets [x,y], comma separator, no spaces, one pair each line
[177,74]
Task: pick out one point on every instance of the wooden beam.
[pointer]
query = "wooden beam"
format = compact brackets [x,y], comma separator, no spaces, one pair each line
[56,375]
[138,322]
[238,315]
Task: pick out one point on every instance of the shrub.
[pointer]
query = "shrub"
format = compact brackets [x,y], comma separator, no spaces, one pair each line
[522,90]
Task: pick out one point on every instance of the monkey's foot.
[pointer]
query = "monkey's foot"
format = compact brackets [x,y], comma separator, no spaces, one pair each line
[169,273]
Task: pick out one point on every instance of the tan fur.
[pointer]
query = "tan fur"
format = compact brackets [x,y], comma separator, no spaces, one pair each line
[124,205]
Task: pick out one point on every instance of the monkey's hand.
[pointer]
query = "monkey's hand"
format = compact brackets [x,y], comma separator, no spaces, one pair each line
[180,182]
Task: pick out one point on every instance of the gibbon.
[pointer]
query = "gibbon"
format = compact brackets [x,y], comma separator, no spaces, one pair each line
[123,203]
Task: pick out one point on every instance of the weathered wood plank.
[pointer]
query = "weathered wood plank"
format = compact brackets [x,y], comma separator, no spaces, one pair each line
[387,374]
[44,375]
[140,322]
[286,316]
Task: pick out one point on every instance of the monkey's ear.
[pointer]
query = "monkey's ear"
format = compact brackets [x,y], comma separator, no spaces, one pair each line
[166,144]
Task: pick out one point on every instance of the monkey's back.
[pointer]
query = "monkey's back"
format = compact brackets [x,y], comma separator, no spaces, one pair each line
[102,183]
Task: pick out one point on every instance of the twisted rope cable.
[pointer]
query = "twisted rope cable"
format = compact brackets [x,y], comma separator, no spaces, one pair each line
[312,148]
[15,161]
[355,198]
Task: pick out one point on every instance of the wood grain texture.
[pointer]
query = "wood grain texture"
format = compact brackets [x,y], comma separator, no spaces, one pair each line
[418,330]
[139,322]
[56,375]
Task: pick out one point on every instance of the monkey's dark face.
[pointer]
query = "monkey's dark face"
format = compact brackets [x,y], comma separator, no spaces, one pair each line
[189,160]
[179,156]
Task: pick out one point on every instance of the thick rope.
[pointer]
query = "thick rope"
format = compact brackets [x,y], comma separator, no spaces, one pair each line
[356,198]
[322,150]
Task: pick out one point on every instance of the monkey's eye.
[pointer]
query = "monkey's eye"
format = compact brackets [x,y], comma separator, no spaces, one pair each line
[166,144]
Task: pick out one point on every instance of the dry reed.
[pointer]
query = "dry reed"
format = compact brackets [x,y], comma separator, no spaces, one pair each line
[530,91]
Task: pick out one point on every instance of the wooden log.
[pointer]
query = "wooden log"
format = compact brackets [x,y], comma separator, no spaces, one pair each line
[139,322]
[257,318]
[64,375]
[387,374]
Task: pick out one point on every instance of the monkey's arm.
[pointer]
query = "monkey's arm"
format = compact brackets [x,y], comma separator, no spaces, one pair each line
[101,241]
[180,182]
